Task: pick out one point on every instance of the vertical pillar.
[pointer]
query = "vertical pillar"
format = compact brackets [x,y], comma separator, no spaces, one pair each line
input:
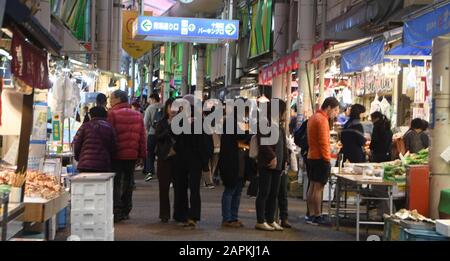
[185,69]
[116,36]
[104,30]
[93,31]
[2,12]
[440,170]
[306,40]
[280,46]
[200,68]
[323,31]
[25,132]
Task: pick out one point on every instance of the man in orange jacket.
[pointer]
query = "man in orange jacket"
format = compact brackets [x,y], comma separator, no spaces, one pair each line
[319,156]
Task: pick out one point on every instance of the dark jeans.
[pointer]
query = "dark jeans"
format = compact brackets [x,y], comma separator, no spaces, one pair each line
[283,196]
[164,179]
[123,186]
[231,199]
[149,163]
[185,178]
[266,201]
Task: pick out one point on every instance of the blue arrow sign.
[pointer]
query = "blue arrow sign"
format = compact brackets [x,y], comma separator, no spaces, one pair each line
[177,29]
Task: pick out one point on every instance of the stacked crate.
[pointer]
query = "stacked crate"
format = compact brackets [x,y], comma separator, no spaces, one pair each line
[92,216]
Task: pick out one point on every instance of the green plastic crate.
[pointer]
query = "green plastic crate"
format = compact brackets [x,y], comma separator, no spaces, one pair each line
[444,202]
[421,235]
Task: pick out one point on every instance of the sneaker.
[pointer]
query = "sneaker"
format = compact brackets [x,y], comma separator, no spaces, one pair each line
[240,223]
[276,226]
[312,221]
[230,224]
[264,226]
[148,177]
[210,186]
[320,220]
[190,224]
[285,224]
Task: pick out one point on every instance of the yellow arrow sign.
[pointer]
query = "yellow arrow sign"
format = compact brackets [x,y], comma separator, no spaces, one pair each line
[134,48]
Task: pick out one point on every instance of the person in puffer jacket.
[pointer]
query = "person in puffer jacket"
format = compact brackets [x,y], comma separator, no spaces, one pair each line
[131,150]
[95,143]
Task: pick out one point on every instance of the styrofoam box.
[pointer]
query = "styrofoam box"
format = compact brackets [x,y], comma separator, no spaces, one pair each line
[443,227]
[92,232]
[90,217]
[91,188]
[102,203]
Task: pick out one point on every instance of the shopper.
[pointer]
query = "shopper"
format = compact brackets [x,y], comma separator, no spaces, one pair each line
[153,114]
[165,154]
[319,156]
[381,139]
[232,170]
[191,158]
[352,136]
[86,117]
[415,138]
[131,149]
[272,160]
[95,143]
[101,100]
[207,174]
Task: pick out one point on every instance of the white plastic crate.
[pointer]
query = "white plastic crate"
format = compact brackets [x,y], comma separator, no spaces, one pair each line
[91,217]
[93,233]
[92,206]
[102,203]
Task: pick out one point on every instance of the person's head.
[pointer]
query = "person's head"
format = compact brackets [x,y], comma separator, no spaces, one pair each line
[294,110]
[417,125]
[357,111]
[136,106]
[376,116]
[347,110]
[117,97]
[97,112]
[425,125]
[100,100]
[331,107]
[86,108]
[169,113]
[154,98]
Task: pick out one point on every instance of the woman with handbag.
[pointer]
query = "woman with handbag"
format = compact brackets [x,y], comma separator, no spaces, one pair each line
[165,154]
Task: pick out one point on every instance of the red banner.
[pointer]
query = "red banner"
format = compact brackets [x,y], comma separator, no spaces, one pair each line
[285,64]
[29,64]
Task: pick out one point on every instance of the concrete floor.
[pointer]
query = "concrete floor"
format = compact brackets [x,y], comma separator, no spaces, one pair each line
[144,224]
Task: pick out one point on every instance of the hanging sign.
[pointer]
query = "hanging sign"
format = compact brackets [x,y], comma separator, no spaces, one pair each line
[177,29]
[368,54]
[134,48]
[29,64]
[428,26]
[56,127]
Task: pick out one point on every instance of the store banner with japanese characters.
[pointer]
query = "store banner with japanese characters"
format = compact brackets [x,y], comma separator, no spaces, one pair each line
[177,29]
[29,64]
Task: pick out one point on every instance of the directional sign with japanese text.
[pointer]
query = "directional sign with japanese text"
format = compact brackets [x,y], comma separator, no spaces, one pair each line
[177,29]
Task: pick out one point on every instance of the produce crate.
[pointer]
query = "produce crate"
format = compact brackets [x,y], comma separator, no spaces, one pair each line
[421,235]
[98,232]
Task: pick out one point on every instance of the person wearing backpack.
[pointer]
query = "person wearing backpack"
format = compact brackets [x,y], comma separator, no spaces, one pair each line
[153,114]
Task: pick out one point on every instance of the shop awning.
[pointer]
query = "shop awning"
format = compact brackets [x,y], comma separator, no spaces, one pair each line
[21,15]
[285,64]
[410,54]
[430,22]
[359,57]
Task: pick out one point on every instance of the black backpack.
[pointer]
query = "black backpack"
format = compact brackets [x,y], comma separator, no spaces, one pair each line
[159,114]
[301,137]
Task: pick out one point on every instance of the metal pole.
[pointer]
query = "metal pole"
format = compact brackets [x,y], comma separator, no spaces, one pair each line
[228,61]
[323,31]
[133,72]
[93,29]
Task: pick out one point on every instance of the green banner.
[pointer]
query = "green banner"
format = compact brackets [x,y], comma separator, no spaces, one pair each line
[56,126]
[261,28]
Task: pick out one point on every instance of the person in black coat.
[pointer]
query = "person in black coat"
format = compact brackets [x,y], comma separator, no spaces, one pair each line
[352,136]
[232,170]
[381,140]
[192,155]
